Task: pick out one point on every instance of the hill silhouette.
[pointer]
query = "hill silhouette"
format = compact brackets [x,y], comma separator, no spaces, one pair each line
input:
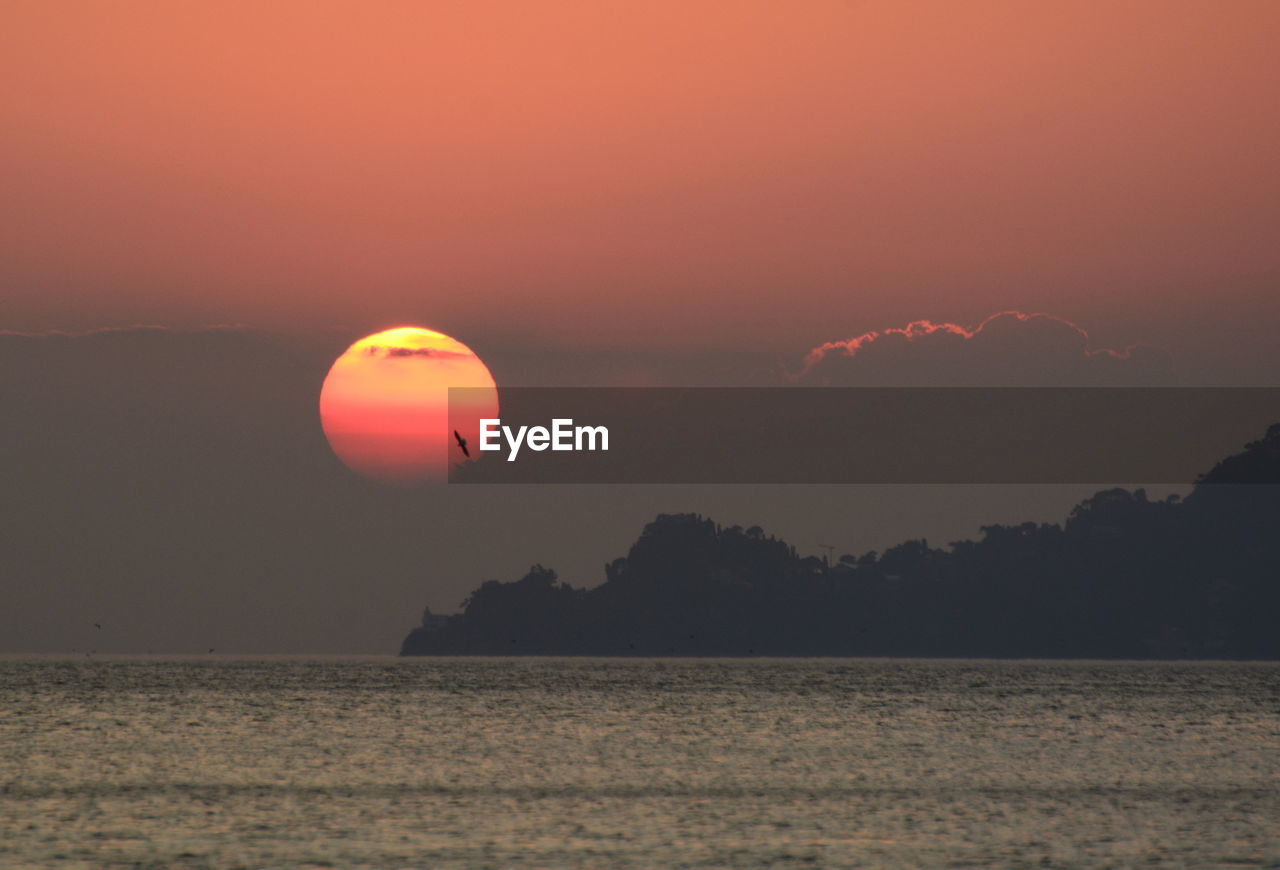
[1123,576]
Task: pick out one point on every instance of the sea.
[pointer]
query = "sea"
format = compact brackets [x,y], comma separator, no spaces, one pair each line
[220,761]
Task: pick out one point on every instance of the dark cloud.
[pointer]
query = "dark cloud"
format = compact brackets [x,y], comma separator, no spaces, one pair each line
[176,486]
[1007,349]
[405,352]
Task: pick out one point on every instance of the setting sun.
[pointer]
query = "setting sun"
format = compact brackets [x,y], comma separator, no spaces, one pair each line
[385,404]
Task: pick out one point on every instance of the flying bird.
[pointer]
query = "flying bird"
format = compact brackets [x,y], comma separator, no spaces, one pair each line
[462,442]
[98,625]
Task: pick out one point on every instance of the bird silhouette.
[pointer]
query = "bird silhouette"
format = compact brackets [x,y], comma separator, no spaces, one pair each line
[462,442]
[98,625]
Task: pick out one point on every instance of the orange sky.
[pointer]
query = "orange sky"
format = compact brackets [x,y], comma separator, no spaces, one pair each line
[673,173]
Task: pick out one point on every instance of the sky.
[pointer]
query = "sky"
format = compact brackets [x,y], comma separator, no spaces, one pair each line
[606,193]
[618,173]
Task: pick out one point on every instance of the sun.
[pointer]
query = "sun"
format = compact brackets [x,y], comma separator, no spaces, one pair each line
[385,409]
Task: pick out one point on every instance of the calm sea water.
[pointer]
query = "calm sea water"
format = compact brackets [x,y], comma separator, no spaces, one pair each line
[637,763]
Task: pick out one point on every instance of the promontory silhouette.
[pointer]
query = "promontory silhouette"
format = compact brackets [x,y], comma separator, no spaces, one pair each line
[1123,576]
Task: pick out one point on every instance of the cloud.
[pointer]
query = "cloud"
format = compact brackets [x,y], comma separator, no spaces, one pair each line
[135,329]
[91,346]
[405,352]
[1007,349]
